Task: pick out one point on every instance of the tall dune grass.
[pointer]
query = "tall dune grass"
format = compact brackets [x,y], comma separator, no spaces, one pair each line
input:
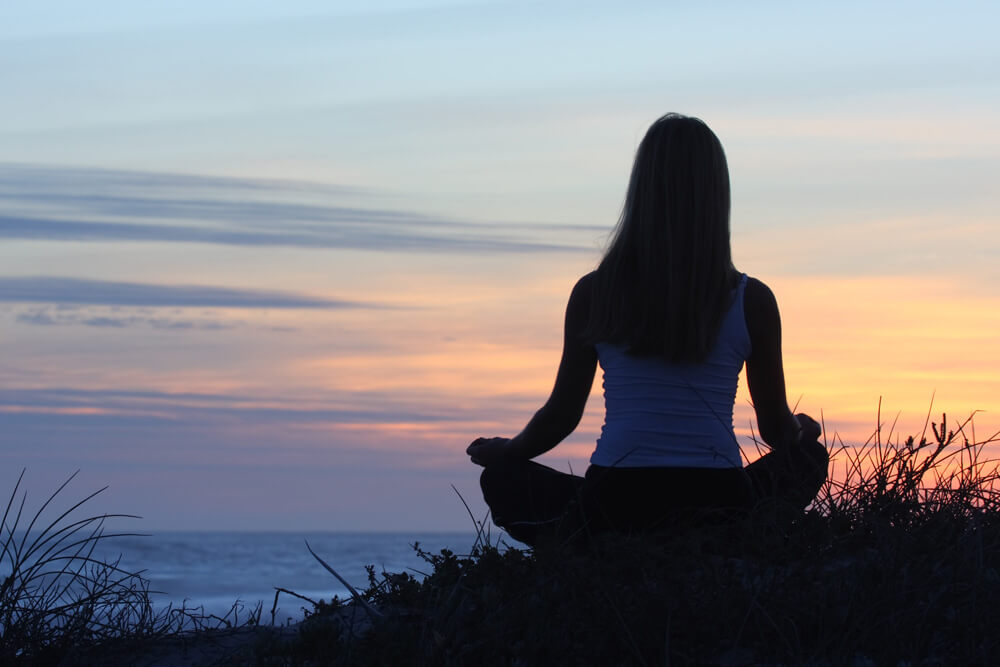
[57,600]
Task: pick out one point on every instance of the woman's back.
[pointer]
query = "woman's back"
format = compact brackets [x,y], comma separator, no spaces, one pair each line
[662,414]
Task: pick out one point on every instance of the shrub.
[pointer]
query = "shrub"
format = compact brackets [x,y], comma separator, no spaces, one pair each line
[896,562]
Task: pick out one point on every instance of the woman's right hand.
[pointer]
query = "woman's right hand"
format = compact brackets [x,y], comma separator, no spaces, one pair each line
[809,428]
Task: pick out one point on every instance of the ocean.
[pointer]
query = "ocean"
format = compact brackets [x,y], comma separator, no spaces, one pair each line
[215,569]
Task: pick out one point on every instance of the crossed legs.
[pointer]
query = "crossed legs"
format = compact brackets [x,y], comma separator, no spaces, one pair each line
[533,502]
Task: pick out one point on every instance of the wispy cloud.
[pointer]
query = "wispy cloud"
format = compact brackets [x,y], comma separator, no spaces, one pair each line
[63,317]
[78,291]
[350,235]
[26,178]
[57,204]
[192,407]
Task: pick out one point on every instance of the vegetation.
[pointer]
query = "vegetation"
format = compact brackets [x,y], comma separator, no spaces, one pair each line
[896,563]
[57,601]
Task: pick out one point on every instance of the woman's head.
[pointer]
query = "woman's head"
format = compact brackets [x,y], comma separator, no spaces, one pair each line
[663,285]
[678,195]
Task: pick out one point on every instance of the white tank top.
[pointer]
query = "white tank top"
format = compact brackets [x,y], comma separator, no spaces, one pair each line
[674,415]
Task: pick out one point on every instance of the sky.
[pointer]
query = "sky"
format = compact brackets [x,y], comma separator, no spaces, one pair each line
[274,265]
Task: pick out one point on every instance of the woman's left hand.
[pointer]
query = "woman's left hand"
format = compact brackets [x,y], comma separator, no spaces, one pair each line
[487,451]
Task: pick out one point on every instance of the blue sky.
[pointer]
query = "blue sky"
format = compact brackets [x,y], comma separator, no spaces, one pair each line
[274,265]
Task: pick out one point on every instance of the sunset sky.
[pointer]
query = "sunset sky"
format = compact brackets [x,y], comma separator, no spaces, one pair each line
[273,265]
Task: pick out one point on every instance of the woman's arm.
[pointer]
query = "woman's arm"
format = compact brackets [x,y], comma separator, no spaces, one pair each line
[766,375]
[562,412]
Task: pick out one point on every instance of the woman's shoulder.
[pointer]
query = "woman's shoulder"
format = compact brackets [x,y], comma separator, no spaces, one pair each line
[583,290]
[758,296]
[760,311]
[585,285]
[578,308]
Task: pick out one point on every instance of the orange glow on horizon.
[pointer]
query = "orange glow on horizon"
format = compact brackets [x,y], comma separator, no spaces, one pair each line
[482,366]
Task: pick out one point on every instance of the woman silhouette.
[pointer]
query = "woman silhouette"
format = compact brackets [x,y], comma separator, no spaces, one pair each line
[671,322]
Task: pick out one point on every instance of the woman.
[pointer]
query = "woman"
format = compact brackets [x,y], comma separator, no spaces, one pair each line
[671,322]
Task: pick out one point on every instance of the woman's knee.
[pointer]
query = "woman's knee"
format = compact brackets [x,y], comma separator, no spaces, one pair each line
[498,477]
[818,456]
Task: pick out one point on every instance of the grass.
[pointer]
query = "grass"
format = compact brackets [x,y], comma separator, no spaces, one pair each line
[57,601]
[895,563]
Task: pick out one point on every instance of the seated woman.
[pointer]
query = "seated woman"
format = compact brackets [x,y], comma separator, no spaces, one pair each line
[671,322]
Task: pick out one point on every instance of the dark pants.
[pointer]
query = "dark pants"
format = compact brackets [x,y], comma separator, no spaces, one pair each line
[533,502]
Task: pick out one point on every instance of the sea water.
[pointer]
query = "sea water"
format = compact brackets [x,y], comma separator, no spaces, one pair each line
[214,570]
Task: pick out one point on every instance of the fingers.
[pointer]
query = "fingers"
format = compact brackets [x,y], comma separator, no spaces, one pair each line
[476,446]
[809,422]
[486,451]
[479,442]
[811,428]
